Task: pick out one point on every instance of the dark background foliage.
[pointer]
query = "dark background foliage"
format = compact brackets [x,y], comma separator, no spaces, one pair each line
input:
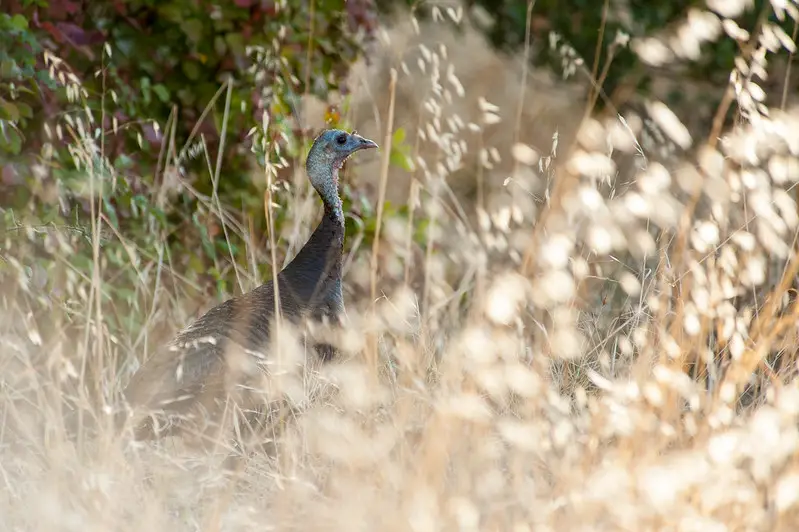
[139,75]
[579,23]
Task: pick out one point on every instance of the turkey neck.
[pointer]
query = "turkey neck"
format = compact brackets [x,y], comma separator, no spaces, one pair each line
[326,245]
[319,262]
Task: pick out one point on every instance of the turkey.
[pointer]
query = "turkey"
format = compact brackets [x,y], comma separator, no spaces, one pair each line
[191,378]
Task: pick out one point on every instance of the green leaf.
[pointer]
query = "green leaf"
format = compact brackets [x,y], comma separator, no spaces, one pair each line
[162,92]
[112,213]
[219,45]
[10,140]
[25,110]
[398,158]
[193,28]
[7,68]
[43,76]
[19,22]
[8,110]
[236,43]
[170,11]
[25,90]
[125,46]
[223,246]
[123,162]
[221,286]
[145,90]
[191,70]
[398,137]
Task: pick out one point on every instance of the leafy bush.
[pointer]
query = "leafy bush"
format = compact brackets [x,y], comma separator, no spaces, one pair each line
[179,51]
[18,80]
[128,101]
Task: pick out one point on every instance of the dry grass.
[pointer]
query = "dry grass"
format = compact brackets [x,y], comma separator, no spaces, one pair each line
[592,348]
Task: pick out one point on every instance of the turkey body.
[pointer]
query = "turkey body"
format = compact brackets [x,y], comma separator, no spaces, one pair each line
[191,380]
[189,376]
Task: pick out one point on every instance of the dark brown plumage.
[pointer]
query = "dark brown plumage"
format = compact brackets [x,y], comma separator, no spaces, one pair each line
[192,378]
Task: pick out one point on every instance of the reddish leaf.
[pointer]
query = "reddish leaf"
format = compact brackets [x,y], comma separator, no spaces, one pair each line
[10,176]
[62,9]
[54,32]
[121,8]
[71,7]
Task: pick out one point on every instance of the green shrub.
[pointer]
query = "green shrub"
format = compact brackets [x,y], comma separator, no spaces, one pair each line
[19,49]
[93,93]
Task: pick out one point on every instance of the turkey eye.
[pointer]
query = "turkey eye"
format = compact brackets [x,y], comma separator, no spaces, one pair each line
[341,139]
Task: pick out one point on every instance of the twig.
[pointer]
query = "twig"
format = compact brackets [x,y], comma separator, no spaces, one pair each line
[519,107]
[217,170]
[594,92]
[384,164]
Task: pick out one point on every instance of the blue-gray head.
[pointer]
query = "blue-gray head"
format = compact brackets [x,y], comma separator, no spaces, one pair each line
[329,151]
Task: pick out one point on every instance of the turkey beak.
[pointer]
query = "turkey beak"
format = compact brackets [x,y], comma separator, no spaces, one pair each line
[364,144]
